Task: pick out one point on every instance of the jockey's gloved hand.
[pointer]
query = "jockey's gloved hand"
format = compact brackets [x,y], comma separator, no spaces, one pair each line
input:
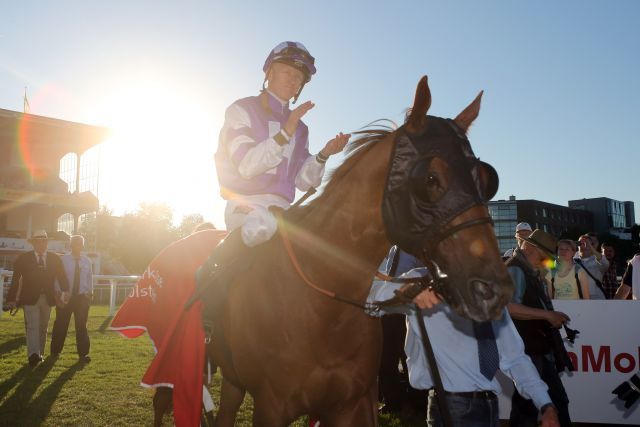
[629,391]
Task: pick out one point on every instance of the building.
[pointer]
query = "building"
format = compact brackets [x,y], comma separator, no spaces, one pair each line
[609,216]
[48,178]
[554,219]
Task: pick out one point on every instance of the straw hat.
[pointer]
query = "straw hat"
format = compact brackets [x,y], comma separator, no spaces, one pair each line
[39,235]
[543,240]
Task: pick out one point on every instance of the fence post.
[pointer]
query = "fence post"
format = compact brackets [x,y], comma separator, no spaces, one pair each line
[112,297]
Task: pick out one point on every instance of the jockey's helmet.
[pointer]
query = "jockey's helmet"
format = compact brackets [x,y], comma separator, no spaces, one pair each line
[294,54]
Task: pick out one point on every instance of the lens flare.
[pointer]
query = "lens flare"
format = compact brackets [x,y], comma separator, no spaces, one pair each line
[25,132]
[549,264]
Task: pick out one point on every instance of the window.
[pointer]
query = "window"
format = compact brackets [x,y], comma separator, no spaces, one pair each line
[68,165]
[89,170]
[65,223]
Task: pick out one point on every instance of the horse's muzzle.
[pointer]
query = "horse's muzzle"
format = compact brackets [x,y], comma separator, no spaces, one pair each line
[482,290]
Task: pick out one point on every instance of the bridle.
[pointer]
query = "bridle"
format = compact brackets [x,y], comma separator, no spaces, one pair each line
[397,191]
[434,278]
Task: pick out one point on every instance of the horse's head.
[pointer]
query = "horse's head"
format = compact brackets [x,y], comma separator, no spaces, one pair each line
[435,208]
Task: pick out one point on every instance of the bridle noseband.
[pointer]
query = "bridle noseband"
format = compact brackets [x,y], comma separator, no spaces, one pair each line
[435,278]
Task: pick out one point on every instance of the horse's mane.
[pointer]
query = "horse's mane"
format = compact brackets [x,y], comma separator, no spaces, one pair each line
[355,149]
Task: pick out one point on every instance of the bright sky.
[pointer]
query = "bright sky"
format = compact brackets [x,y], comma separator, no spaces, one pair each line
[559,119]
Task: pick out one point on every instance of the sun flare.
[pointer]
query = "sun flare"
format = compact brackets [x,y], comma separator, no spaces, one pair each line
[160,149]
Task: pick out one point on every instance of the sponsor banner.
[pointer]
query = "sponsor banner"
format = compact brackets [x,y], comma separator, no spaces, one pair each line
[605,354]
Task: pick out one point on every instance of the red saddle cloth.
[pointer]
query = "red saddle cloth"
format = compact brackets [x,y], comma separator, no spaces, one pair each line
[156,306]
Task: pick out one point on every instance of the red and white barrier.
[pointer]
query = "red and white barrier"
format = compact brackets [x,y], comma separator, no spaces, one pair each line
[606,353]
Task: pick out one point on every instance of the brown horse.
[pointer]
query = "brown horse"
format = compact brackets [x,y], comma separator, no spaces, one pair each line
[299,352]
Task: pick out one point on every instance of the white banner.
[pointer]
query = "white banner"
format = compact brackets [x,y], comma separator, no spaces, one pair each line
[605,353]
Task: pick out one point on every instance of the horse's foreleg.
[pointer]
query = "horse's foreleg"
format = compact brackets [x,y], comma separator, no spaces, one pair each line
[231,398]
[363,412]
[161,401]
[269,411]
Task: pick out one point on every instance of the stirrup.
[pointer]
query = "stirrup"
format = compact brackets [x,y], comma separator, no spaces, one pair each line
[208,331]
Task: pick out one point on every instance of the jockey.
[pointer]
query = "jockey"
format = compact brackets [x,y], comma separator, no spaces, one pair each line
[263,156]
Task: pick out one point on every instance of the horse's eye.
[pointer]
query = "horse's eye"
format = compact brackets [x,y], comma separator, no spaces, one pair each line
[427,179]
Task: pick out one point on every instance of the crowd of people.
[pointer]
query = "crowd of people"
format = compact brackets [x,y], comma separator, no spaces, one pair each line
[584,269]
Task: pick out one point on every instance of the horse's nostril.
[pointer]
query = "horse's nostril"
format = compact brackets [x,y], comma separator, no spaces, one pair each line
[482,289]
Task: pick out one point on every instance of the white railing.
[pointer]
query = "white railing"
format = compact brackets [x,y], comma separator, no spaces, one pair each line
[114,282]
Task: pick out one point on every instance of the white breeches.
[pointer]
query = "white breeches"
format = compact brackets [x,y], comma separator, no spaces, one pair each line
[252,214]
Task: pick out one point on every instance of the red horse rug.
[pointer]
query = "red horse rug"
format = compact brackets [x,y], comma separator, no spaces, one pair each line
[156,306]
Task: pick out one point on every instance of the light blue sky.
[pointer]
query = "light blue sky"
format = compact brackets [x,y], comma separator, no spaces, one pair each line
[559,118]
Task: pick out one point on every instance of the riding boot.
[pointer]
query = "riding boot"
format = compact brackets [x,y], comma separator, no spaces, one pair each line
[213,278]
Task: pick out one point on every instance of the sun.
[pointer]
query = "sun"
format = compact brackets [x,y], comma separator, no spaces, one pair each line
[160,149]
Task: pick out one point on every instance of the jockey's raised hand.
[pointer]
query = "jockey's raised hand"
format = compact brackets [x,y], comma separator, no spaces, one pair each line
[335,145]
[296,115]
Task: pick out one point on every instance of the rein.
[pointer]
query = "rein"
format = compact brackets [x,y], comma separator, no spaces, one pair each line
[296,264]
[434,278]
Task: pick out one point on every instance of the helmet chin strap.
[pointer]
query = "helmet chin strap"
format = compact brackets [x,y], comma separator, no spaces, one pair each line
[295,98]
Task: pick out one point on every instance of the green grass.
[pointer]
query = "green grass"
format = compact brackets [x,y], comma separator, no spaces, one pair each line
[104,392]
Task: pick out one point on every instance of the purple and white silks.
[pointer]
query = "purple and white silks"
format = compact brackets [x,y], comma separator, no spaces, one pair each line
[255,171]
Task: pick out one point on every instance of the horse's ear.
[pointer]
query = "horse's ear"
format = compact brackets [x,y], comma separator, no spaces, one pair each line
[469,114]
[421,105]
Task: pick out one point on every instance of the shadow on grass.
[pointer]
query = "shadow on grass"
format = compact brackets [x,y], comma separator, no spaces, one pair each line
[40,407]
[31,378]
[12,344]
[10,383]
[105,324]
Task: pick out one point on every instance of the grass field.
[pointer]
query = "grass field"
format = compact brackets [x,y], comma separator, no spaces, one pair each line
[104,392]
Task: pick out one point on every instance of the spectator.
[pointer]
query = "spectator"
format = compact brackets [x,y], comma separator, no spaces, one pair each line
[610,277]
[523,230]
[467,370]
[535,319]
[593,262]
[630,280]
[566,281]
[79,270]
[35,273]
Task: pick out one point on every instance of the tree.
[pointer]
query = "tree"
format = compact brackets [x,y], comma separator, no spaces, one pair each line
[134,239]
[143,234]
[188,224]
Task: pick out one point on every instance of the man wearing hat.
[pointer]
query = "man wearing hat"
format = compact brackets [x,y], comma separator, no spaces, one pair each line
[535,320]
[523,230]
[34,276]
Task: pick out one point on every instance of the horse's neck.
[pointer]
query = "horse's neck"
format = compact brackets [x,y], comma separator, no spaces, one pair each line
[345,231]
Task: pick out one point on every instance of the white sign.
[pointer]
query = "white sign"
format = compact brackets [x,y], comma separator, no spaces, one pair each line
[605,353]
